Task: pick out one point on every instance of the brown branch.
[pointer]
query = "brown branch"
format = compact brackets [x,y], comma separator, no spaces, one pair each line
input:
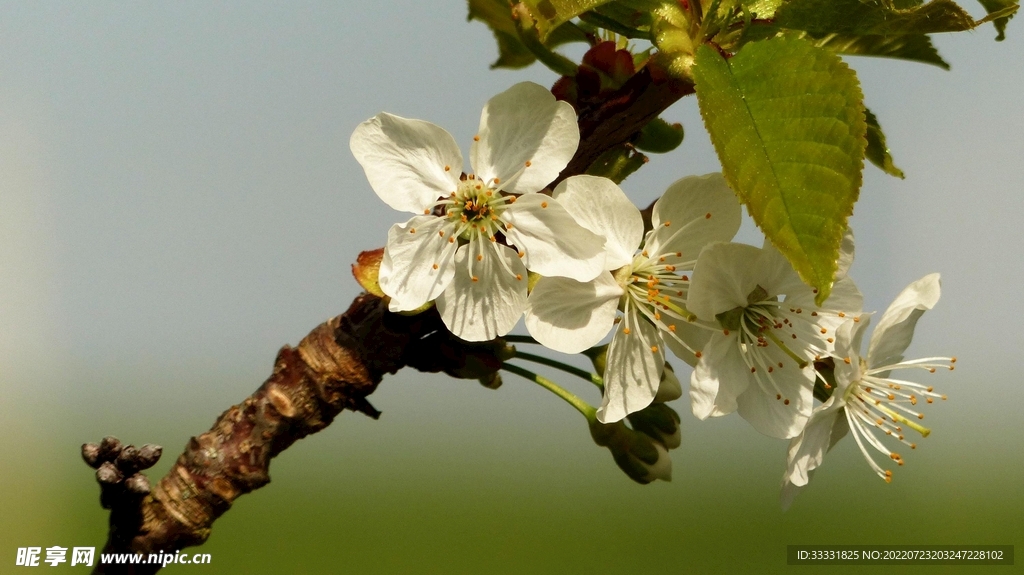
[335,367]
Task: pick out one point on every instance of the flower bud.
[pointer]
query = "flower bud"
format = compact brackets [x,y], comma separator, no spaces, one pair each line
[641,458]
[659,422]
[669,389]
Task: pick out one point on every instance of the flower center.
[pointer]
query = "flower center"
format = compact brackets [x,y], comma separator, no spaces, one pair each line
[876,401]
[475,209]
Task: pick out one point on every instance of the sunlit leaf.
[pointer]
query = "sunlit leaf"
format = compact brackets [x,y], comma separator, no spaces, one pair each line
[512,52]
[787,121]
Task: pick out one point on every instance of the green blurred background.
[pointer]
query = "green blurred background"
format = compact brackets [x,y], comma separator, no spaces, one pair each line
[177,201]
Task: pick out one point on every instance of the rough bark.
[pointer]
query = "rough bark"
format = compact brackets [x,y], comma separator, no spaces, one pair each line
[334,368]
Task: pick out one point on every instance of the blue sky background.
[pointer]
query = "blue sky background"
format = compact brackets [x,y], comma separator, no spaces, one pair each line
[177,201]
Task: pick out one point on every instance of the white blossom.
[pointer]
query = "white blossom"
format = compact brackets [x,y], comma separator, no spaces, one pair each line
[648,288]
[866,399]
[768,333]
[452,250]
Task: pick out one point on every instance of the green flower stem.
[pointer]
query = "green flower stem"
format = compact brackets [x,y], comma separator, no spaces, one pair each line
[512,338]
[572,399]
[591,377]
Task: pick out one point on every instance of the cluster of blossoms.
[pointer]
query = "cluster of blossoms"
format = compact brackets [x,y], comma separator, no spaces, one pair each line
[740,315]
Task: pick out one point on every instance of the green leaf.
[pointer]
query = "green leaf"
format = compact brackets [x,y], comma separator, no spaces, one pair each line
[913,47]
[873,17]
[996,6]
[877,151]
[512,51]
[787,121]
[551,14]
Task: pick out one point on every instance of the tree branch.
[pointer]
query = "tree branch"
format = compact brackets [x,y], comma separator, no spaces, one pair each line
[335,367]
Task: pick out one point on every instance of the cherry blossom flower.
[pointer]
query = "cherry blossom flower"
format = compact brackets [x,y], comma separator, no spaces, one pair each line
[475,236]
[866,399]
[648,287]
[768,333]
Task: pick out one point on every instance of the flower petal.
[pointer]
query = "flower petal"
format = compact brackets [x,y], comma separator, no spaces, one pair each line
[692,213]
[524,124]
[790,490]
[405,160]
[490,306]
[633,371]
[693,336]
[896,328]
[767,410]
[602,207]
[845,254]
[417,264]
[555,245]
[719,378]
[723,277]
[570,316]
[807,450]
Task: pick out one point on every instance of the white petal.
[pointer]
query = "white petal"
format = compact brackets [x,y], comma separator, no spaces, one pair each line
[489,307]
[405,160]
[807,450]
[723,277]
[693,336]
[845,297]
[896,328]
[840,427]
[633,370]
[554,243]
[776,275]
[766,411]
[681,217]
[719,378]
[524,124]
[570,316]
[417,266]
[603,208]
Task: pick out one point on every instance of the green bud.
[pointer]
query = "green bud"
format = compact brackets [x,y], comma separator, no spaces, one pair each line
[669,389]
[598,357]
[659,137]
[641,458]
[658,422]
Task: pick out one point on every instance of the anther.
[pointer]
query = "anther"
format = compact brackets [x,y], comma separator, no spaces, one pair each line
[528,163]
[521,254]
[480,257]
[823,331]
[447,168]
[413,231]
[543,204]
[476,279]
[476,138]
[668,223]
[519,276]
[707,216]
[785,402]
[778,396]
[451,239]
[841,314]
[625,330]
[435,266]
[725,332]
[753,370]
[672,329]
[654,349]
[846,360]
